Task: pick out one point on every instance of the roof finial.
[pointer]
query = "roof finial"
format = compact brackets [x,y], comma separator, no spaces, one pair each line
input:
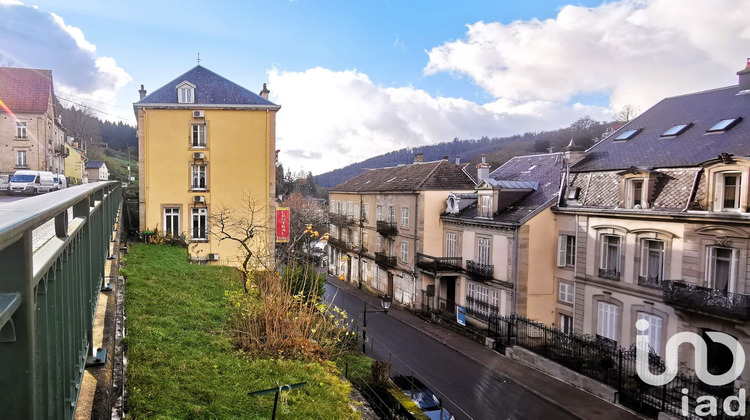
[199,58]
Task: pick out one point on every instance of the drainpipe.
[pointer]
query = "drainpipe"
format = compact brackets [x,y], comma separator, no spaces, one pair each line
[416,243]
[361,244]
[515,272]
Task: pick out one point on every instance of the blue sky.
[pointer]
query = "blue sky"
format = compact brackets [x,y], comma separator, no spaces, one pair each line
[356,79]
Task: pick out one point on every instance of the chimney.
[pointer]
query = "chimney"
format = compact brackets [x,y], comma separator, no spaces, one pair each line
[458,159]
[573,153]
[142,92]
[745,78]
[264,93]
[418,158]
[483,169]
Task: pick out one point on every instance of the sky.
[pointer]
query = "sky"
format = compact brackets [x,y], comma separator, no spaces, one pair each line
[356,79]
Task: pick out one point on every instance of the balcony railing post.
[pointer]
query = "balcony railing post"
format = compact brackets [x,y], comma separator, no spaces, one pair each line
[18,395]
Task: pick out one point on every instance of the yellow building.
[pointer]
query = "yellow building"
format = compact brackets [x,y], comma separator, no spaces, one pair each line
[206,145]
[75,164]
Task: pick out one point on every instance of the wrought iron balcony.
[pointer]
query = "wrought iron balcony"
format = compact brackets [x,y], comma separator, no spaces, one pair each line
[387,228]
[338,244]
[340,219]
[480,271]
[652,282]
[384,260]
[609,274]
[61,150]
[710,301]
[438,264]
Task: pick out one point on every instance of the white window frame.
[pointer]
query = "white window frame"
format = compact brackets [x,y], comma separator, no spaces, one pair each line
[451,243]
[566,293]
[566,324]
[186,93]
[378,243]
[636,197]
[364,239]
[196,170]
[404,252]
[484,250]
[356,211]
[171,220]
[366,210]
[649,247]
[21,161]
[566,250]
[350,209]
[391,214]
[379,213]
[654,331]
[605,250]
[720,191]
[711,260]
[608,324]
[21,130]
[405,217]
[201,215]
[198,136]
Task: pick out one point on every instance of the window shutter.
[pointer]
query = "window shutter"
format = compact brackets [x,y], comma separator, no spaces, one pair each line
[719,192]
[644,258]
[733,271]
[562,242]
[710,263]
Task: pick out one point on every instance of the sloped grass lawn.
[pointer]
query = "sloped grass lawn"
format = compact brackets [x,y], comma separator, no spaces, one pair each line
[181,363]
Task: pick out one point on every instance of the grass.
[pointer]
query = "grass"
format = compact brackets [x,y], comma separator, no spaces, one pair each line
[181,362]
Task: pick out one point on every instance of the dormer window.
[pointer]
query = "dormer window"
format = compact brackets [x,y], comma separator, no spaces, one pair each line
[186,93]
[724,125]
[728,191]
[485,209]
[635,194]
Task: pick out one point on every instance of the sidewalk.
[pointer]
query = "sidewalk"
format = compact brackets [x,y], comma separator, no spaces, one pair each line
[567,397]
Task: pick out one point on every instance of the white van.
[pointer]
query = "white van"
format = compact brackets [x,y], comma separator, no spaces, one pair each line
[31,182]
[60,181]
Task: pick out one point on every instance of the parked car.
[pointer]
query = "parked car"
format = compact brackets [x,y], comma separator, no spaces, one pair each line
[423,397]
[60,182]
[31,182]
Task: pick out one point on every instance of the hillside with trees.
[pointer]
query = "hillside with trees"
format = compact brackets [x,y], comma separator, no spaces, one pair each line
[498,150]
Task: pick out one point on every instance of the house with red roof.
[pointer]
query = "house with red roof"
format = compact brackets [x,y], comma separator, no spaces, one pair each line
[31,134]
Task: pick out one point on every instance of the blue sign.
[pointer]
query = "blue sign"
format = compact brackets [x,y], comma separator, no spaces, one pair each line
[461,315]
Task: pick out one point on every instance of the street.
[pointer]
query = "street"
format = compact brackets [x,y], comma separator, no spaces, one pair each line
[468,389]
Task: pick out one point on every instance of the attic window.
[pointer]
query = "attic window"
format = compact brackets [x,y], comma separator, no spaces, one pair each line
[391,179]
[573,193]
[677,130]
[186,93]
[627,135]
[724,125]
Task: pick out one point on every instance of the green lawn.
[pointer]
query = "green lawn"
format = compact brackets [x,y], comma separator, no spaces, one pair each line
[181,363]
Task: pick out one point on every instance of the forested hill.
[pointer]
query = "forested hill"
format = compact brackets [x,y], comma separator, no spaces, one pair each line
[499,150]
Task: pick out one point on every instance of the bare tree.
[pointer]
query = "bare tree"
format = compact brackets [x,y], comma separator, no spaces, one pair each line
[627,113]
[305,212]
[242,225]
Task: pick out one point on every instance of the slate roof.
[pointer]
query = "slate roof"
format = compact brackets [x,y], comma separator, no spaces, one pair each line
[438,175]
[93,164]
[25,90]
[210,89]
[648,150]
[513,179]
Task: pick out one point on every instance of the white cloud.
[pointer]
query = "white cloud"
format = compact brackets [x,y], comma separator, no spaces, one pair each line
[636,51]
[330,119]
[37,39]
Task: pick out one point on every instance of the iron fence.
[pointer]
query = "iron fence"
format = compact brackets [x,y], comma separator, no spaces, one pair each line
[604,361]
[46,329]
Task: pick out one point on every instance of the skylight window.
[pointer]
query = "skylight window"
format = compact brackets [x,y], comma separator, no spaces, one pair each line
[627,135]
[677,130]
[724,125]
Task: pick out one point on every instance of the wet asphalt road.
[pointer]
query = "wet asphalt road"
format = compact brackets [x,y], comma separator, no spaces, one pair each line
[469,390]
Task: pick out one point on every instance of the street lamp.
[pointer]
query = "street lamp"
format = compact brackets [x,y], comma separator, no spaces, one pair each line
[385,303]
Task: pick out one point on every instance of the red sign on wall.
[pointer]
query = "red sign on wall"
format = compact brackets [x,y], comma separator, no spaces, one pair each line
[282,224]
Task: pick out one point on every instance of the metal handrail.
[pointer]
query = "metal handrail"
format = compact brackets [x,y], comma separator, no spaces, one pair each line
[58,284]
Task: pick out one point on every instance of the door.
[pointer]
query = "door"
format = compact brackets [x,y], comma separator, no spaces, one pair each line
[450,294]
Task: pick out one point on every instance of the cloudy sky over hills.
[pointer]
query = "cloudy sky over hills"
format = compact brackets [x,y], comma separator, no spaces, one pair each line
[355,80]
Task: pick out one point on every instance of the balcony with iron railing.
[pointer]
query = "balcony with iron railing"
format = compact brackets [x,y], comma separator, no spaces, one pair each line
[650,281]
[609,274]
[438,264]
[705,300]
[341,220]
[387,228]
[338,243]
[382,259]
[480,271]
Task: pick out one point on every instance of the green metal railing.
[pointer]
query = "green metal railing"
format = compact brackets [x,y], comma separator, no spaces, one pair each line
[48,297]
